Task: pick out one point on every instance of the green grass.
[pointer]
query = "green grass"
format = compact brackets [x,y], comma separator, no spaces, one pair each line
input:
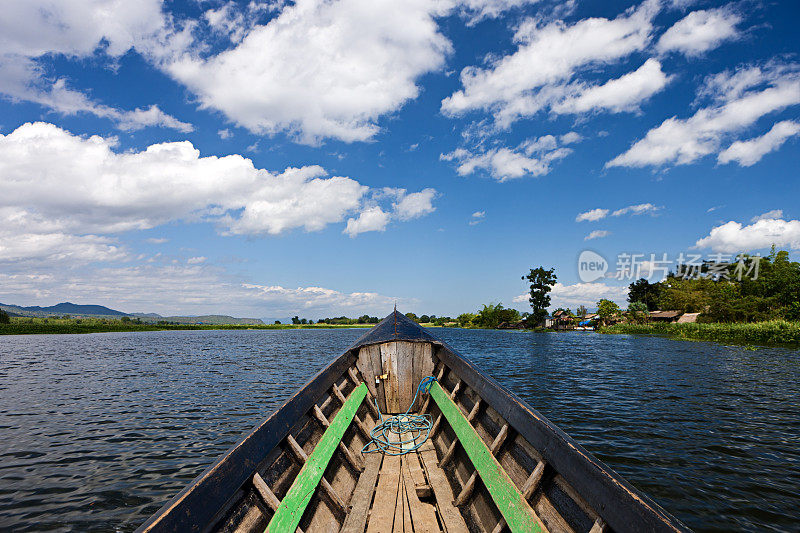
[774,332]
[28,326]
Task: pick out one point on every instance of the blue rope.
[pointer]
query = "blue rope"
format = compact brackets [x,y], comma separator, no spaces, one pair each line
[387,435]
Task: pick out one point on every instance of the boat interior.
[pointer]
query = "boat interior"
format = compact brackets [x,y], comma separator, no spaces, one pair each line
[489,462]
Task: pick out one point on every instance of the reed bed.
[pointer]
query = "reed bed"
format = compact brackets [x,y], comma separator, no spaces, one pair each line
[774,332]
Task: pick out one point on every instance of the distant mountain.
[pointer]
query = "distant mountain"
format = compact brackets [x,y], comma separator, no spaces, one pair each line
[67,308]
[203,319]
[64,308]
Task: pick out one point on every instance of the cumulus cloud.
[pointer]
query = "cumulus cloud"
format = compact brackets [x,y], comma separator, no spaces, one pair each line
[77,29]
[592,215]
[320,69]
[414,205]
[586,294]
[597,234]
[733,237]
[55,182]
[700,31]
[548,56]
[748,153]
[739,99]
[625,93]
[371,219]
[532,157]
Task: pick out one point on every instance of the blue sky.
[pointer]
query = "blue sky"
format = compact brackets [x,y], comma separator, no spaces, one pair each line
[322,158]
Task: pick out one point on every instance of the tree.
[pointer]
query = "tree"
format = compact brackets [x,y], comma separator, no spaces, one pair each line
[581,311]
[606,310]
[465,319]
[304,321]
[637,312]
[424,319]
[493,315]
[412,316]
[643,291]
[277,321]
[4,318]
[295,319]
[541,282]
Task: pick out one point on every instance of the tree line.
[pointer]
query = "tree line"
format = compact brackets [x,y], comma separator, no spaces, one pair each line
[723,295]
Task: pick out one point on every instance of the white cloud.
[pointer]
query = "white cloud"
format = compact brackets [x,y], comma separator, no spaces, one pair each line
[639,209]
[55,182]
[321,69]
[586,294]
[775,213]
[371,219]
[548,56]
[700,31]
[532,157]
[196,260]
[414,205]
[31,29]
[173,290]
[748,153]
[597,234]
[157,240]
[732,237]
[740,99]
[477,217]
[625,93]
[225,134]
[592,215]
[476,10]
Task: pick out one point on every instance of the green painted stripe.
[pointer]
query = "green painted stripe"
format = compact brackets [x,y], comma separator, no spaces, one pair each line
[291,509]
[510,501]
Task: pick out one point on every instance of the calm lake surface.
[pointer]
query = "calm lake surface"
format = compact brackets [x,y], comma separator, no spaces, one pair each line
[98,431]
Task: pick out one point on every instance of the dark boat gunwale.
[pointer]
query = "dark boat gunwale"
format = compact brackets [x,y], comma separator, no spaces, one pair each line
[623,507]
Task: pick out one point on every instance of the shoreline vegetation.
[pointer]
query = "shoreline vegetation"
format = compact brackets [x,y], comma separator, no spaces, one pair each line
[769,332]
[29,326]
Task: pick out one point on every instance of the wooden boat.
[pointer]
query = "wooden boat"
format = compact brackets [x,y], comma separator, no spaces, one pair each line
[491,463]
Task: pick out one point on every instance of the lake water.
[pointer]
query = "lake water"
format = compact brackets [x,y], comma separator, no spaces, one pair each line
[98,431]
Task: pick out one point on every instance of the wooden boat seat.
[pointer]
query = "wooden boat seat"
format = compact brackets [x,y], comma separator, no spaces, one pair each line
[290,510]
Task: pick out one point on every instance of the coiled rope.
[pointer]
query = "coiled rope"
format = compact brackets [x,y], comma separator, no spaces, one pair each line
[387,436]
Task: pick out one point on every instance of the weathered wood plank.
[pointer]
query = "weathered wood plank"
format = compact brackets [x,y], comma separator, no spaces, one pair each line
[361,500]
[398,507]
[405,374]
[528,488]
[372,407]
[364,365]
[407,527]
[382,516]
[512,505]
[422,514]
[372,361]
[423,364]
[451,517]
[249,521]
[290,511]
[267,495]
[391,384]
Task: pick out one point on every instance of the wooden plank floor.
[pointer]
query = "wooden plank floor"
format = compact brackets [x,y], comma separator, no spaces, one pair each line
[408,498]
